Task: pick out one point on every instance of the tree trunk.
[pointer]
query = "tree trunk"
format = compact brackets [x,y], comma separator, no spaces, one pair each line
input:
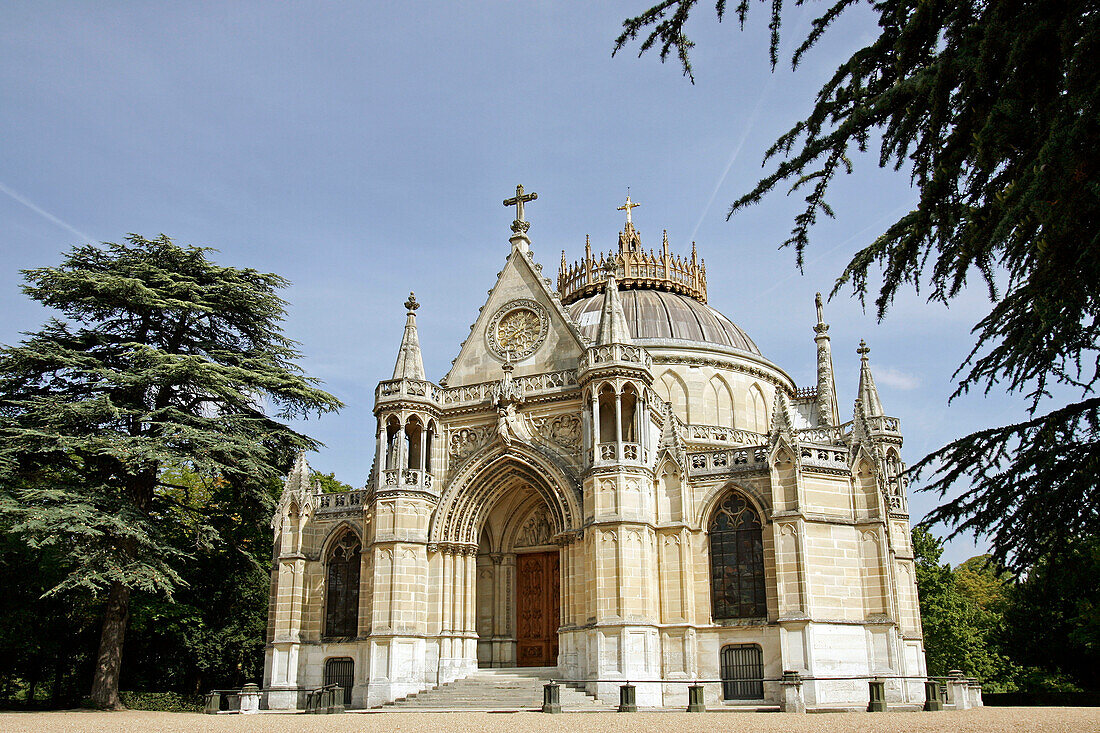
[109,661]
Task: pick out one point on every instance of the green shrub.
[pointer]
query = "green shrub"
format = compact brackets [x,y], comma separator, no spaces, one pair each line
[167,702]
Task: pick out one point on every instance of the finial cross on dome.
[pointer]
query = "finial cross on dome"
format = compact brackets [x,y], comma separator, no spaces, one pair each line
[863,351]
[628,206]
[520,224]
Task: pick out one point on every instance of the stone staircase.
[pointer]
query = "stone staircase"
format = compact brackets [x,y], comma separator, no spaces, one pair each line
[510,688]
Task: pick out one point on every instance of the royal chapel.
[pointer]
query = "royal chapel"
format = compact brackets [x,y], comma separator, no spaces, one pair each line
[614,484]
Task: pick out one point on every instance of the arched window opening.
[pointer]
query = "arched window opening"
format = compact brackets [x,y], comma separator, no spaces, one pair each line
[342,587]
[393,430]
[628,409]
[737,561]
[742,670]
[608,434]
[413,446]
[428,439]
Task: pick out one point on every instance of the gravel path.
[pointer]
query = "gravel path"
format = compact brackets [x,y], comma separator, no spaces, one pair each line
[1024,720]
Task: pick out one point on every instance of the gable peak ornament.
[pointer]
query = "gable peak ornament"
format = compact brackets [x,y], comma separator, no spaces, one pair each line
[411,305]
[520,225]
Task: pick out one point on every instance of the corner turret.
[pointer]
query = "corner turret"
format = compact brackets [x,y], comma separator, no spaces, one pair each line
[407,408]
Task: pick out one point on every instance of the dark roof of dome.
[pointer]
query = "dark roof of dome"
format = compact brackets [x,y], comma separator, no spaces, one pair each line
[658,314]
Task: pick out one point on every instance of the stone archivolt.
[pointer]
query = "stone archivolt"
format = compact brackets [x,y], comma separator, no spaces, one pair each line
[595,454]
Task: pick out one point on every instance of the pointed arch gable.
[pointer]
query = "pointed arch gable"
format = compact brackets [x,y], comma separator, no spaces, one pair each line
[487,476]
[756,498]
[335,533]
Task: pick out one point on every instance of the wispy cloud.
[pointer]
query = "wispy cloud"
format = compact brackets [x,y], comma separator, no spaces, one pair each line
[896,378]
[44,214]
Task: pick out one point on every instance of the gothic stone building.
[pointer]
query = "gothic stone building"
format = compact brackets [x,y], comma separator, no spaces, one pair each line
[611,480]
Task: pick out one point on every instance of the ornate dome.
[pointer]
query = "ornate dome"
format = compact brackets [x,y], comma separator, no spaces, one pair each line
[659,314]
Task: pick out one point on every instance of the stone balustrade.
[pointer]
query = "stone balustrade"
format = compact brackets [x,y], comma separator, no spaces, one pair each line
[397,388]
[472,394]
[824,457]
[406,478]
[608,354]
[728,436]
[631,453]
[751,458]
[340,501]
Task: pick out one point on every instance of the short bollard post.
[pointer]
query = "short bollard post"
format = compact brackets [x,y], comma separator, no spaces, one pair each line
[336,702]
[213,703]
[250,699]
[695,699]
[551,697]
[794,700]
[878,696]
[627,700]
[932,700]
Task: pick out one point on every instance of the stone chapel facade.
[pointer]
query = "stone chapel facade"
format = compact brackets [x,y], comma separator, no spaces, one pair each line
[611,480]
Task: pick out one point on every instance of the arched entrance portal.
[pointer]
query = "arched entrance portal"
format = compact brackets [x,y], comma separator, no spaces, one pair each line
[511,507]
[518,584]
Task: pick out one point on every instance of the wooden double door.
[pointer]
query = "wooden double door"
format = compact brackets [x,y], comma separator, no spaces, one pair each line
[537,609]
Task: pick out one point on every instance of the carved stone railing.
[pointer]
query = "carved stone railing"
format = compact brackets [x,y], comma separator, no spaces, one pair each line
[729,460]
[614,354]
[832,457]
[341,501]
[727,436]
[472,394]
[632,453]
[806,393]
[396,388]
[405,478]
[826,435]
[884,424]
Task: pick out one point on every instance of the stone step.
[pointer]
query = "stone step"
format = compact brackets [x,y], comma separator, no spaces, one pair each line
[504,688]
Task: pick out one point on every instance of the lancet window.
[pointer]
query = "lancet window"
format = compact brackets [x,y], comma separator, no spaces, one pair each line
[737,560]
[342,587]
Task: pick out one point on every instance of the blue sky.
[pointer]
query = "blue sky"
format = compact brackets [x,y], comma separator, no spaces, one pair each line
[362,150]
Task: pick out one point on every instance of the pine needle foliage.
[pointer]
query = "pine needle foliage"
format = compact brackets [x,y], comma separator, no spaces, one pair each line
[166,362]
[993,108]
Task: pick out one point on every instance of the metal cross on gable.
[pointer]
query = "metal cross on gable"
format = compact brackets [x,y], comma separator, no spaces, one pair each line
[520,224]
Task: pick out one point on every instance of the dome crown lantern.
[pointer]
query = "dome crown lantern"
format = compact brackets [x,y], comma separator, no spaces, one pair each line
[634,268]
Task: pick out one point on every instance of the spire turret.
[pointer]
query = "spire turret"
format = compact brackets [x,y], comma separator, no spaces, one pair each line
[299,478]
[613,328]
[828,412]
[868,397]
[410,364]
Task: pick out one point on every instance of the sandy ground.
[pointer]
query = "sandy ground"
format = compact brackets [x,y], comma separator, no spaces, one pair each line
[1021,720]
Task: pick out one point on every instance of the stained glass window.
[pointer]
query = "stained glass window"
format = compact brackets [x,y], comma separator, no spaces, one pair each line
[737,561]
[342,590]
